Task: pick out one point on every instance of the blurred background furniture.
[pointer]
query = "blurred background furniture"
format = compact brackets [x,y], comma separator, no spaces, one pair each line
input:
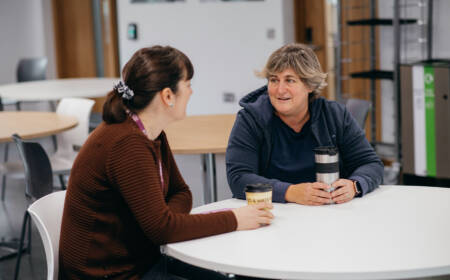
[206,135]
[57,89]
[38,183]
[359,108]
[28,69]
[52,90]
[29,125]
[70,140]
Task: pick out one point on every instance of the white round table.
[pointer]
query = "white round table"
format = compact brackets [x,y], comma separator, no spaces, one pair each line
[57,89]
[392,233]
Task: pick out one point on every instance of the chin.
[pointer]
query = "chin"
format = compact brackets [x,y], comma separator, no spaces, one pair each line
[282,110]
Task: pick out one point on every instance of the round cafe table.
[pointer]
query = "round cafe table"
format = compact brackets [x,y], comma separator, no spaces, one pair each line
[395,232]
[33,124]
[48,90]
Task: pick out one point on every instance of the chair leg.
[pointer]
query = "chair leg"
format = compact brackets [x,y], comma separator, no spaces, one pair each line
[5,159]
[28,249]
[26,218]
[62,181]
[55,142]
[3,186]
[52,106]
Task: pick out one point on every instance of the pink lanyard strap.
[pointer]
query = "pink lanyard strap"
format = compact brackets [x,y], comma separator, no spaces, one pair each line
[139,123]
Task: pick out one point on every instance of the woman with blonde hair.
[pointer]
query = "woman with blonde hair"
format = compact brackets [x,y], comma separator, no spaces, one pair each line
[280,125]
[126,196]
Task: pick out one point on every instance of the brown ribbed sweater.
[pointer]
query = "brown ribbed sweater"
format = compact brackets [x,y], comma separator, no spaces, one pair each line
[116,215]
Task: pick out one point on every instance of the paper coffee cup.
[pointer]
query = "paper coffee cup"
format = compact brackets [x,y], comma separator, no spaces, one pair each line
[256,193]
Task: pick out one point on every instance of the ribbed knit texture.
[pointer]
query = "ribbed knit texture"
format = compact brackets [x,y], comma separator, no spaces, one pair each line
[116,215]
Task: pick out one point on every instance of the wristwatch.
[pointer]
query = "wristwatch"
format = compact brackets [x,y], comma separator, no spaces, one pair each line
[357,188]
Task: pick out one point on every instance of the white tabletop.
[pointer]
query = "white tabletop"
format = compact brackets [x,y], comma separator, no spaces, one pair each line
[394,232]
[57,89]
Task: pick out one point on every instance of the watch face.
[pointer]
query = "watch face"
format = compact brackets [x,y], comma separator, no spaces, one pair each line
[357,187]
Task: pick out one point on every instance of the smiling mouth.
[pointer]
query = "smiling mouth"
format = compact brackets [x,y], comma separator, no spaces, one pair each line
[283,98]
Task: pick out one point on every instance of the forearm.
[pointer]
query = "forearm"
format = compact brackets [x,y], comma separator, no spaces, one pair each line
[180,202]
[370,176]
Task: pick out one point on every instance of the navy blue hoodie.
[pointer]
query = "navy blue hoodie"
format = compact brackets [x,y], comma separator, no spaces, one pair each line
[250,144]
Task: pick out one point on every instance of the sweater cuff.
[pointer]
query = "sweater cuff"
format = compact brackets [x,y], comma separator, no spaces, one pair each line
[279,192]
[362,182]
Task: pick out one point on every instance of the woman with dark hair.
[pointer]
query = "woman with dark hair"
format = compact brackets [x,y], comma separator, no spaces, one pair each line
[126,196]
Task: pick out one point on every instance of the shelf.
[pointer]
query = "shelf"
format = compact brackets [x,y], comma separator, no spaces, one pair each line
[380,21]
[374,74]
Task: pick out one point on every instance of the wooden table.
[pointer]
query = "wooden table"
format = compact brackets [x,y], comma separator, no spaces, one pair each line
[395,232]
[206,135]
[48,90]
[33,124]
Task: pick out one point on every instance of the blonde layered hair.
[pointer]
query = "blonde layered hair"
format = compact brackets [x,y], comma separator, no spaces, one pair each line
[303,61]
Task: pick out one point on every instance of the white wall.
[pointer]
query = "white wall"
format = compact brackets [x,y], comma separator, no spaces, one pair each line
[23,34]
[410,51]
[226,41]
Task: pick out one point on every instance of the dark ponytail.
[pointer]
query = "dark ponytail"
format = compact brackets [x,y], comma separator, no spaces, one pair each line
[149,71]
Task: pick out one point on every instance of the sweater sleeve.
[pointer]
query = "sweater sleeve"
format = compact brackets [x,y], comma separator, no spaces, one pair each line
[131,167]
[359,157]
[242,159]
[179,197]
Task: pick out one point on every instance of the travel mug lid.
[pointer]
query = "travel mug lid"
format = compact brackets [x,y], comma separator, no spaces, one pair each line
[259,187]
[326,150]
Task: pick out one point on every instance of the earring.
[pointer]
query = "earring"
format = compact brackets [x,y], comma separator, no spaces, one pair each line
[170,104]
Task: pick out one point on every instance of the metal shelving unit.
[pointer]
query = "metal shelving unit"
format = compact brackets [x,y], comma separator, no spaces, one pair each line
[398,21]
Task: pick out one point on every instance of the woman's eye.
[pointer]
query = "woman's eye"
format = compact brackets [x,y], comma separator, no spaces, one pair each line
[273,80]
[290,81]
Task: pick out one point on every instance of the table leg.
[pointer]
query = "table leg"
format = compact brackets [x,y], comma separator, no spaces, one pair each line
[209,178]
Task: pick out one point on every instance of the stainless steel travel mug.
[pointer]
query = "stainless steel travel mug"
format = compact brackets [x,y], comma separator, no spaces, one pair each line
[327,165]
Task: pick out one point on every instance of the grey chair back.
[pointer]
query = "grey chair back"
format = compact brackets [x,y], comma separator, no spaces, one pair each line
[359,108]
[32,69]
[38,170]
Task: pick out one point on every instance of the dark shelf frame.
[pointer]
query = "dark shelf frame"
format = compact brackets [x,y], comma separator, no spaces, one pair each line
[380,21]
[374,75]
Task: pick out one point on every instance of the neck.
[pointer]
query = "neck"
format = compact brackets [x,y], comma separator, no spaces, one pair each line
[153,122]
[297,121]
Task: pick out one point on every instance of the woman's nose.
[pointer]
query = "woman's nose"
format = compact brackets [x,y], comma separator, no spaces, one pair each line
[281,87]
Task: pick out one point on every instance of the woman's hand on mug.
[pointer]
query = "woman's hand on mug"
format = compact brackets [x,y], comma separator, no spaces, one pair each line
[344,192]
[253,216]
[308,194]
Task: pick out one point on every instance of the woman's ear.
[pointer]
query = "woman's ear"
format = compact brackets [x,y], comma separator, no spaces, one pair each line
[167,97]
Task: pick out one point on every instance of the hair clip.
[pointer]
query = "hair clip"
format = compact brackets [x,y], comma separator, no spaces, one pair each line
[123,90]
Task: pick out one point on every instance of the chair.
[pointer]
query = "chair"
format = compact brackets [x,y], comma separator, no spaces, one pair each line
[46,214]
[39,182]
[63,158]
[65,155]
[29,69]
[359,108]
[95,120]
